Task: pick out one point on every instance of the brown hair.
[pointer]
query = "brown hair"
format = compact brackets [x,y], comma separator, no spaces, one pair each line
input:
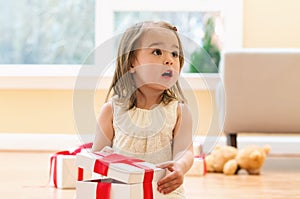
[123,84]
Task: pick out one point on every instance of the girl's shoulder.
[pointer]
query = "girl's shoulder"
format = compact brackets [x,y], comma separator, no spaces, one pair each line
[179,107]
[107,108]
[182,105]
[183,109]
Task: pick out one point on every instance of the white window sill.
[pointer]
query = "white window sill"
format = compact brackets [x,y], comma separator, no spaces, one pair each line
[58,77]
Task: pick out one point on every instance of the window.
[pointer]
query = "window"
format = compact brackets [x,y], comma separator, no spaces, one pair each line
[53,38]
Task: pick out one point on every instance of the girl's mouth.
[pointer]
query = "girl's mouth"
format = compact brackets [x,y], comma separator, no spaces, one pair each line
[168,73]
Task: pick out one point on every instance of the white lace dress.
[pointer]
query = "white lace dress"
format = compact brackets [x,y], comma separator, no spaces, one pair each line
[146,134]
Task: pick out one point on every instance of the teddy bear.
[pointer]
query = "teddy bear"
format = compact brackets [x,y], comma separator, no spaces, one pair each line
[229,160]
[216,160]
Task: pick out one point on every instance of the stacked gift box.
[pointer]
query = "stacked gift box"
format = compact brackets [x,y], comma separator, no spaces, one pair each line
[125,177]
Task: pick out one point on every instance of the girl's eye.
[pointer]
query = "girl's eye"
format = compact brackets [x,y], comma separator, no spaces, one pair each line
[175,54]
[157,52]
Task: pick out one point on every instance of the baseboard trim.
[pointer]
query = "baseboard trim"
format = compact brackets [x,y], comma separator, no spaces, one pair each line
[55,142]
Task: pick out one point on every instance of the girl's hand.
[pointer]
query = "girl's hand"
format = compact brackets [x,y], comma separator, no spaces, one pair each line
[172,180]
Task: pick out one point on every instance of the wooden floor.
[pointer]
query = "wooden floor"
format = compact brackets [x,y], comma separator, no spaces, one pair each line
[25,175]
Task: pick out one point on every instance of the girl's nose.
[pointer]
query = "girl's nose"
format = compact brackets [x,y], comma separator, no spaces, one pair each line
[168,61]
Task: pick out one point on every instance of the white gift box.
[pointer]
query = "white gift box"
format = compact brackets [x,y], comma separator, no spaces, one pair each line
[199,167]
[112,189]
[63,172]
[67,173]
[119,167]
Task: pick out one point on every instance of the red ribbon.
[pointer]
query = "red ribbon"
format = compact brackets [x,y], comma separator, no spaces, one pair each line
[102,164]
[53,161]
[103,190]
[80,174]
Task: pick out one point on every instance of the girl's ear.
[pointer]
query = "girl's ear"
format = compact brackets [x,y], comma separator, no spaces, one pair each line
[133,62]
[132,69]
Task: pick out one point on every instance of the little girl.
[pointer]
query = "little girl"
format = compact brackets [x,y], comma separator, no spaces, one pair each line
[145,115]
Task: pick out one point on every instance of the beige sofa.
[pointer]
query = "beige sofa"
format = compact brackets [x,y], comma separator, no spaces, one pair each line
[262,92]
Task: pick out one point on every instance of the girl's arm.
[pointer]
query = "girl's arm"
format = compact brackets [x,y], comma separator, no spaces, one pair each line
[104,131]
[183,155]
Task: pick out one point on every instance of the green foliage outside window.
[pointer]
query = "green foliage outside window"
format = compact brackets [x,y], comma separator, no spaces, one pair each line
[206,59]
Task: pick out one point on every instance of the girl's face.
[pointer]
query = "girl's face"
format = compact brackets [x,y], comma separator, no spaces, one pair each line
[156,64]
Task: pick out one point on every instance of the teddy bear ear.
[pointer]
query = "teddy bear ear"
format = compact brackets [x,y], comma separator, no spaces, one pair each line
[267,149]
[255,155]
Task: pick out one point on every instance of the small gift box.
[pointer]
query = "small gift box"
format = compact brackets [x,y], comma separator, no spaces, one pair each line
[112,189]
[199,166]
[63,172]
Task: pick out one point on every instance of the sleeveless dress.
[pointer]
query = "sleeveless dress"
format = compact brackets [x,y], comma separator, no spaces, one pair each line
[146,134]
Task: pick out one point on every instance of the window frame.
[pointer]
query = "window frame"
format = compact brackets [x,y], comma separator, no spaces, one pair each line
[40,76]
